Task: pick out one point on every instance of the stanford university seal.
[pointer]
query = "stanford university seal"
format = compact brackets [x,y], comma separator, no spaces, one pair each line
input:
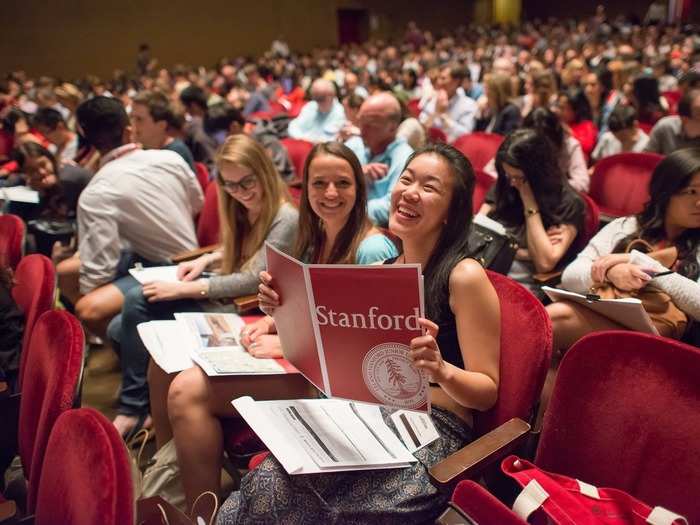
[391,377]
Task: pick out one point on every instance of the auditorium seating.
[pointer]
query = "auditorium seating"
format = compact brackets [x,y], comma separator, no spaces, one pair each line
[51,368]
[619,183]
[12,231]
[86,477]
[479,147]
[297,150]
[33,291]
[436,135]
[208,222]
[623,414]
[482,185]
[202,174]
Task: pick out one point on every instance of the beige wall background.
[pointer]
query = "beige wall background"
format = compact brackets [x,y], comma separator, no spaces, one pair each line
[70,38]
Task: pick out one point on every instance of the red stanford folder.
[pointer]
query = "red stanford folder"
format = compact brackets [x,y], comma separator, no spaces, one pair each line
[348,328]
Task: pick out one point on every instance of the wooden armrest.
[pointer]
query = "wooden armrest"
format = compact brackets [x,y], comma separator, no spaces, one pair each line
[193,254]
[454,516]
[8,511]
[246,303]
[471,460]
[546,277]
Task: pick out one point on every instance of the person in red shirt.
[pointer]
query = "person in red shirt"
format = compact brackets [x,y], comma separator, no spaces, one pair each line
[575,113]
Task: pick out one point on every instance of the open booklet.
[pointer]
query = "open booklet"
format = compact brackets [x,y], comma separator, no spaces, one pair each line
[310,436]
[627,312]
[19,194]
[210,340]
[348,328]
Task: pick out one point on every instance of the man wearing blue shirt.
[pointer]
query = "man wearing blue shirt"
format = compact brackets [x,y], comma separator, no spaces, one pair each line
[382,154]
[321,119]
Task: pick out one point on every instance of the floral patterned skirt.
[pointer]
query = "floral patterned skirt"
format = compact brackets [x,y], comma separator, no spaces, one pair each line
[393,496]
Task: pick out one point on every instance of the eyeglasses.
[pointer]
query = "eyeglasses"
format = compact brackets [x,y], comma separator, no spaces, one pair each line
[245,184]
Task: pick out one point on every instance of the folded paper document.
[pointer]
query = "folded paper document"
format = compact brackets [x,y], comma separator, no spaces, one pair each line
[627,312]
[324,435]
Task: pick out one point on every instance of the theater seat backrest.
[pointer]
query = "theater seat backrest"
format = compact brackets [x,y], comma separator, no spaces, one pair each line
[53,366]
[208,222]
[33,291]
[526,348]
[11,240]
[479,147]
[87,476]
[624,414]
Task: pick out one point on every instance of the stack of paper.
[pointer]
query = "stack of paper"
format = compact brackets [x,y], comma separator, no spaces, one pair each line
[210,340]
[19,194]
[324,435]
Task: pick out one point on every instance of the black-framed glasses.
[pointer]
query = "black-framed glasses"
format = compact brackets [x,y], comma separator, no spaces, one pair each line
[245,184]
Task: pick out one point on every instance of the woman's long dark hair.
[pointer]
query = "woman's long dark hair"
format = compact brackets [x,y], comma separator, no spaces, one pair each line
[312,237]
[546,123]
[671,175]
[579,103]
[527,150]
[452,245]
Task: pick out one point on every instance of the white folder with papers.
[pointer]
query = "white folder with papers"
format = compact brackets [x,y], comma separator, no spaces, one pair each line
[310,436]
[628,312]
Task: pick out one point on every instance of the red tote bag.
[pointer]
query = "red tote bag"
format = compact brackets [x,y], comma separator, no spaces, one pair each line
[553,499]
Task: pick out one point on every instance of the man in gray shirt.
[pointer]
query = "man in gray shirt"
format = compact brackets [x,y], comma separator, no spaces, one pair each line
[139,207]
[678,131]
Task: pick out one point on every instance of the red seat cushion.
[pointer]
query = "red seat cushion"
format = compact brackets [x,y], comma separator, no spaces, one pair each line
[478,504]
[87,474]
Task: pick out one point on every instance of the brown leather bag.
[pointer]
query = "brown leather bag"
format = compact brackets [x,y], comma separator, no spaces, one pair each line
[669,320]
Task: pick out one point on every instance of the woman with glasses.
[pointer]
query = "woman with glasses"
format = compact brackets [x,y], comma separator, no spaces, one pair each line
[253,208]
[670,221]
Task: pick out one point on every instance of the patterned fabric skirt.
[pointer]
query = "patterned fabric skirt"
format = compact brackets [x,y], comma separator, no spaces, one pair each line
[393,496]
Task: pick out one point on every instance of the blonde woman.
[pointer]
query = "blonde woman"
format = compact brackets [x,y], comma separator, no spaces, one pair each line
[505,115]
[253,208]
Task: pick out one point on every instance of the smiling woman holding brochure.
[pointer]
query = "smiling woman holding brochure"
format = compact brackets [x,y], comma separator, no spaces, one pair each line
[253,208]
[334,229]
[460,351]
[670,222]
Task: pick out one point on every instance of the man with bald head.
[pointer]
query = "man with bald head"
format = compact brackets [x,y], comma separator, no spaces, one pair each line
[321,119]
[382,154]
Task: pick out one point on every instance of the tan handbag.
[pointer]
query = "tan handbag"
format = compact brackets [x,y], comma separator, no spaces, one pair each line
[162,478]
[156,511]
[668,319]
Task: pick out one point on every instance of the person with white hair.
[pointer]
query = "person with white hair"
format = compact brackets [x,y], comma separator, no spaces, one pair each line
[321,119]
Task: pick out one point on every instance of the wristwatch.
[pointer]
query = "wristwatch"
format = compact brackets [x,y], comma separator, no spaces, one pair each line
[531,211]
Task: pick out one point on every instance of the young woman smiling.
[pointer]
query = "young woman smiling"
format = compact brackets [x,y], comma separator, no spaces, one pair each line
[459,350]
[671,218]
[253,208]
[333,229]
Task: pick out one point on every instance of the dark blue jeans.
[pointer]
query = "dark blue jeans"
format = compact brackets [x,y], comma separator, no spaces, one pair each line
[133,397]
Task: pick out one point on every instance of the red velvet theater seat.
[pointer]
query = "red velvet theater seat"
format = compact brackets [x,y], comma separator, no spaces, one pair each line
[624,414]
[208,222]
[202,174]
[474,501]
[620,183]
[297,150]
[33,291]
[479,147]
[87,475]
[11,240]
[52,368]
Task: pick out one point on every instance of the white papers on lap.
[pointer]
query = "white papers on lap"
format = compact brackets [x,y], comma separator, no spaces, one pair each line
[627,312]
[167,342]
[324,435]
[415,428]
[20,194]
[151,274]
[207,339]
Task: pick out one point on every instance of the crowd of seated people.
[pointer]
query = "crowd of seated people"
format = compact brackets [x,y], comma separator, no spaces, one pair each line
[382,181]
